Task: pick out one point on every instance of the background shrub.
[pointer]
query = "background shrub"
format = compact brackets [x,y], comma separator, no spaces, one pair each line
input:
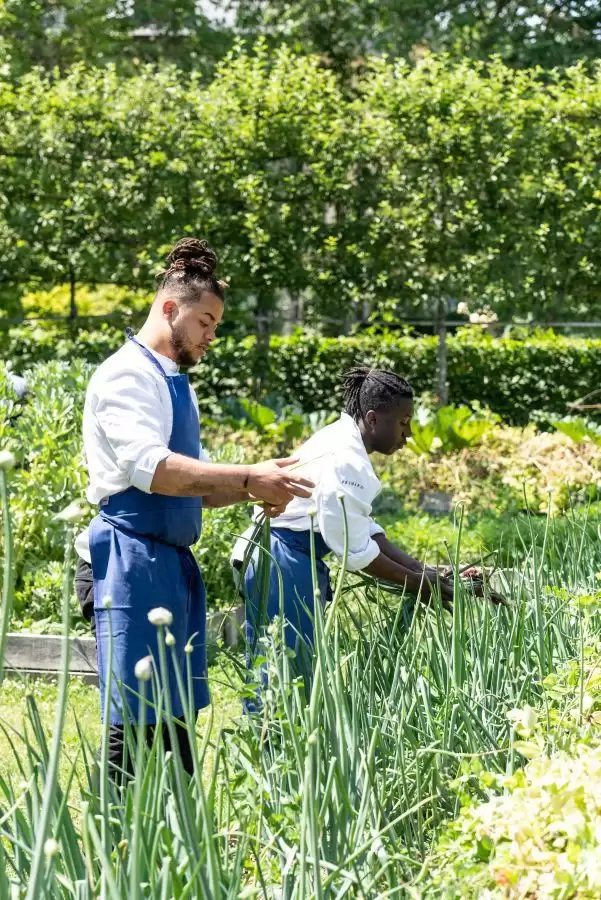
[517,379]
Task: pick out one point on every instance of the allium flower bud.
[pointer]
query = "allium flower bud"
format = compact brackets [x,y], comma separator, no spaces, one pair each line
[160,616]
[143,669]
[7,460]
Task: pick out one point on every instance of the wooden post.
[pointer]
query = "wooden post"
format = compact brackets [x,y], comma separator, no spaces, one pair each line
[261,362]
[441,327]
[73,294]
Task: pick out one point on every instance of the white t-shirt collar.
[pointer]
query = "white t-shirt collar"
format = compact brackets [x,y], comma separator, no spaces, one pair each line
[349,423]
[170,367]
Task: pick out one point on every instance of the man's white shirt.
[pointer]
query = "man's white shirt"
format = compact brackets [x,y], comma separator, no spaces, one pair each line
[127,423]
[334,458]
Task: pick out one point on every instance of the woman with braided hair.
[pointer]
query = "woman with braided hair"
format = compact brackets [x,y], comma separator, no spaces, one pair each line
[378,406]
[149,476]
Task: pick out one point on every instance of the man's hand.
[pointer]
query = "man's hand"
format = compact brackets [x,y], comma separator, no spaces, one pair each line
[275,484]
[271,511]
[493,596]
[446,591]
[474,578]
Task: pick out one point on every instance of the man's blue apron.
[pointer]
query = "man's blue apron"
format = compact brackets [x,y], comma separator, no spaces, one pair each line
[292,552]
[139,544]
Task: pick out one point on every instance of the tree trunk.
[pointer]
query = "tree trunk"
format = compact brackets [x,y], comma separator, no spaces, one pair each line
[73,294]
[441,326]
[262,333]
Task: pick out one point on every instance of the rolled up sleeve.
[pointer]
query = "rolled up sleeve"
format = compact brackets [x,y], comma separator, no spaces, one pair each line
[374,528]
[338,486]
[131,415]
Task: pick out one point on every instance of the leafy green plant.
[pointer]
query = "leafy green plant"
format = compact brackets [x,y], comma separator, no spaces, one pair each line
[274,419]
[51,471]
[219,527]
[539,839]
[578,429]
[446,429]
[38,599]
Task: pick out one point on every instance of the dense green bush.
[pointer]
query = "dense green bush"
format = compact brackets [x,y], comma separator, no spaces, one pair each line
[99,300]
[514,378]
[81,339]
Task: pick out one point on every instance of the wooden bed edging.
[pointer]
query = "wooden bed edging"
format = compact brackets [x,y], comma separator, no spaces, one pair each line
[40,654]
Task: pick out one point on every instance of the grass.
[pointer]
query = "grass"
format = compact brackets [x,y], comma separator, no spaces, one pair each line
[339,787]
[428,537]
[83,713]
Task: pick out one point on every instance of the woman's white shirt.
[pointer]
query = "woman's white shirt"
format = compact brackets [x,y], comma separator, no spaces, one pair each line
[335,458]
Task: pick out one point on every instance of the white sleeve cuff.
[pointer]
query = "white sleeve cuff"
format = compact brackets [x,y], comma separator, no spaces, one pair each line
[374,528]
[145,467]
[357,561]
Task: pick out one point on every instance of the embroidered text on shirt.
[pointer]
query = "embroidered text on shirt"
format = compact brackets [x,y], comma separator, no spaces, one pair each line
[353,484]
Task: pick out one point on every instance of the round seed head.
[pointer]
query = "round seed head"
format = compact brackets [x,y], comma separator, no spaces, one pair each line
[7,460]
[160,616]
[143,669]
[51,847]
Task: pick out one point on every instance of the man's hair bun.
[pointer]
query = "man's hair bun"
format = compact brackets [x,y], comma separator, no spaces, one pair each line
[192,256]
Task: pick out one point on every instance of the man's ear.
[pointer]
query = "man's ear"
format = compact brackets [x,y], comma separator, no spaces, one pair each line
[370,419]
[169,309]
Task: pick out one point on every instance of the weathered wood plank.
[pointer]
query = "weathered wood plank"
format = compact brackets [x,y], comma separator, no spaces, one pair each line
[41,653]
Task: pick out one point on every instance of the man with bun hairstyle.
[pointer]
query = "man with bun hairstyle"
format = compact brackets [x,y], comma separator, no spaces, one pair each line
[150,478]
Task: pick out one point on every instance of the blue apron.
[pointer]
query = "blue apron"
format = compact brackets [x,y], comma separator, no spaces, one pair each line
[139,544]
[292,552]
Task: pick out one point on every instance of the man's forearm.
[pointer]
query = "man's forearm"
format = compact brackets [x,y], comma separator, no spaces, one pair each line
[387,569]
[182,476]
[403,559]
[419,581]
[225,498]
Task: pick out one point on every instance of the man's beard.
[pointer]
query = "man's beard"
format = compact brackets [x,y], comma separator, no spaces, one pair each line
[183,355]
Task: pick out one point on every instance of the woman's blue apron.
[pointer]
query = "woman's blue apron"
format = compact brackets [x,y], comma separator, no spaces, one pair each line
[139,544]
[292,552]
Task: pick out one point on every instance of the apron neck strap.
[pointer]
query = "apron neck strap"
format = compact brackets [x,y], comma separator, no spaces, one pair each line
[131,337]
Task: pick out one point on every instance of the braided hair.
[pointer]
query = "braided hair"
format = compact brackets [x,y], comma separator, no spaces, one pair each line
[366,389]
[191,271]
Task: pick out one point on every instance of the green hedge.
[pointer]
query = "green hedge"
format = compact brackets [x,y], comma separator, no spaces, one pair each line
[515,378]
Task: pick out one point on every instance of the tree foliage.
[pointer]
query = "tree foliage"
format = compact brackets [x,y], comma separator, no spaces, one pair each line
[56,34]
[471,182]
[344,32]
